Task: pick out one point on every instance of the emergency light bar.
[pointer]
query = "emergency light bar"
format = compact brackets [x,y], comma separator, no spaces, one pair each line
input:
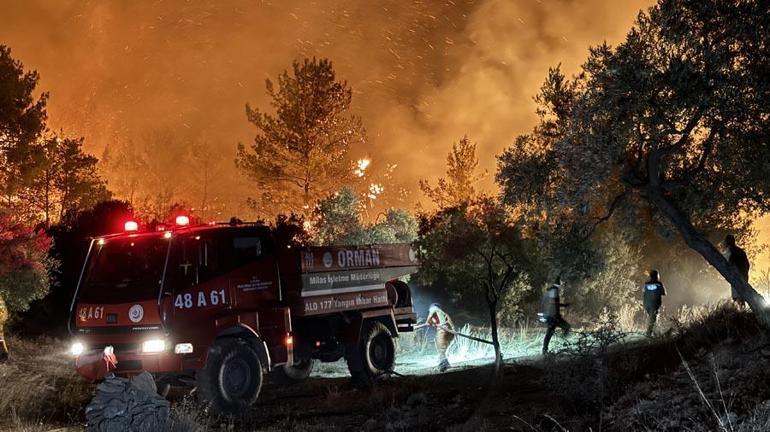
[182,220]
[131,226]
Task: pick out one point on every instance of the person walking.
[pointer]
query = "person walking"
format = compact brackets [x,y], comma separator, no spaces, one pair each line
[443,324]
[653,292]
[551,314]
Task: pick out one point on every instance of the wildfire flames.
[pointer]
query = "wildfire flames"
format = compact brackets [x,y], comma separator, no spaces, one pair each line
[361,166]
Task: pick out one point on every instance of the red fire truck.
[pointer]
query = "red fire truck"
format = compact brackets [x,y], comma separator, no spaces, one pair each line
[219,305]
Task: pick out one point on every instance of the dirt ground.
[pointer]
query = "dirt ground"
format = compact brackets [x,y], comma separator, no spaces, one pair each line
[711,375]
[459,399]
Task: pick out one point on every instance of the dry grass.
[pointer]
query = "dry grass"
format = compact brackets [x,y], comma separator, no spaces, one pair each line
[39,385]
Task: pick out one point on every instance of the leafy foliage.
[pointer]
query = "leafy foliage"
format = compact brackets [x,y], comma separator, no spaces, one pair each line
[68,183]
[22,123]
[476,251]
[25,267]
[338,220]
[301,152]
[41,175]
[674,121]
[289,231]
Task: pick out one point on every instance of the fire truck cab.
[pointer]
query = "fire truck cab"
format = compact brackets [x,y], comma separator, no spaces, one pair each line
[219,305]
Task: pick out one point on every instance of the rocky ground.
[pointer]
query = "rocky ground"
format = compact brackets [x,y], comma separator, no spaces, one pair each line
[709,375]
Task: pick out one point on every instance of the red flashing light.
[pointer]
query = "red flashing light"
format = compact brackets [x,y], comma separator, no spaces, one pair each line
[182,220]
[160,228]
[131,226]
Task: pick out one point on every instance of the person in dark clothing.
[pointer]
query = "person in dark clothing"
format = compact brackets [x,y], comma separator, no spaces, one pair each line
[737,257]
[653,291]
[551,314]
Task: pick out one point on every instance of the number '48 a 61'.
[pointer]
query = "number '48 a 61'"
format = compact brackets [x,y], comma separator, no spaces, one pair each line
[189,300]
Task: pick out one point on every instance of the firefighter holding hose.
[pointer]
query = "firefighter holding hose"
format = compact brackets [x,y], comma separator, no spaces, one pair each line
[444,326]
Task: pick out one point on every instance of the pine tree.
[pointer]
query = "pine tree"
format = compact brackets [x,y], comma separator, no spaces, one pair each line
[458,185]
[300,154]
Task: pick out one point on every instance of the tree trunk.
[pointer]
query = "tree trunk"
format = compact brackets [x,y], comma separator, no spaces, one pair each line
[495,340]
[700,244]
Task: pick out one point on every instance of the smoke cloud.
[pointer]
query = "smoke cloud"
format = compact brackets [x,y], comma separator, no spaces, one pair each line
[424,73]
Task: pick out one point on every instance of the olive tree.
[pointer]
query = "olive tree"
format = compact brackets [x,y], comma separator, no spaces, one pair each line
[675,121]
[476,249]
[338,220]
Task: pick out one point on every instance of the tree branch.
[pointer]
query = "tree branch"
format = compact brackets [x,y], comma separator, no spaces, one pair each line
[655,158]
[610,211]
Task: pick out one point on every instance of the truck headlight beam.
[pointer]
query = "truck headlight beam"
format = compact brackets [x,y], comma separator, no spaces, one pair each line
[154,346]
[77,348]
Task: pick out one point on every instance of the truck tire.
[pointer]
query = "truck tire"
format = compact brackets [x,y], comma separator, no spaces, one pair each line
[372,358]
[296,373]
[231,380]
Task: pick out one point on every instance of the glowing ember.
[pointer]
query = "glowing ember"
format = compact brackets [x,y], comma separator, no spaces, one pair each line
[375,189]
[361,166]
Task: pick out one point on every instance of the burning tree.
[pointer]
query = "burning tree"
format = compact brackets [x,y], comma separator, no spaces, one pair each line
[301,152]
[673,121]
[475,248]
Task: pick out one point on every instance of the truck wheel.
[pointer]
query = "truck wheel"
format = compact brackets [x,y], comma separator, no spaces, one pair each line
[373,357]
[293,374]
[231,380]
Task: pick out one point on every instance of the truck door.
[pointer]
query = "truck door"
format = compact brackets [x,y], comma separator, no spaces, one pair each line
[195,284]
[220,273]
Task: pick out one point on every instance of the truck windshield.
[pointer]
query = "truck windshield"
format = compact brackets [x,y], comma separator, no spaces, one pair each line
[124,270]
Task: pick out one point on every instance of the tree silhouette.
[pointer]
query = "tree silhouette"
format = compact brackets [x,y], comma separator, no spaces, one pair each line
[673,121]
[300,154]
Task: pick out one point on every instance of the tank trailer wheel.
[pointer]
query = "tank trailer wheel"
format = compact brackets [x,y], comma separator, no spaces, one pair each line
[232,378]
[295,373]
[372,358]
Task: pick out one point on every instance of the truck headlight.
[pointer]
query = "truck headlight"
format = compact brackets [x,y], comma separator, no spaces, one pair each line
[77,348]
[154,346]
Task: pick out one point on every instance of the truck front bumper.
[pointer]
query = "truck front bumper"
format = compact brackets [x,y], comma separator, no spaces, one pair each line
[93,365]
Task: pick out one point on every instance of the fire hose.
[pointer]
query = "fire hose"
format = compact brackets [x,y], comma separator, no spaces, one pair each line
[456,333]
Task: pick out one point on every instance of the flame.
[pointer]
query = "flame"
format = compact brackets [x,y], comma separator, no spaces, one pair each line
[375,189]
[361,166]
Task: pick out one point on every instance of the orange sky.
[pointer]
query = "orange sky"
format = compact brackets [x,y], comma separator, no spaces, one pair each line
[424,72]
